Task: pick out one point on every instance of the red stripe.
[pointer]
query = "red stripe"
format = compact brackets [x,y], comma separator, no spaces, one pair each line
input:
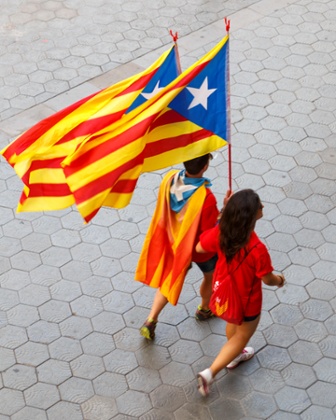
[124,186]
[91,126]
[31,135]
[168,117]
[106,181]
[109,146]
[49,190]
[139,83]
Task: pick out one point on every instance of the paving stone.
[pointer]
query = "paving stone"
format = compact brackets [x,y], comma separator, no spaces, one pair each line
[54,372]
[32,354]
[99,408]
[133,403]
[62,409]
[298,376]
[76,390]
[292,399]
[10,401]
[30,413]
[41,395]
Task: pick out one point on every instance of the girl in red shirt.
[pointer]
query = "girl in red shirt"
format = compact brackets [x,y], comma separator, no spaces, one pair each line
[249,263]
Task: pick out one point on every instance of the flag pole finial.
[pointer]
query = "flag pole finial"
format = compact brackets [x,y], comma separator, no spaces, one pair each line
[174,36]
[227,24]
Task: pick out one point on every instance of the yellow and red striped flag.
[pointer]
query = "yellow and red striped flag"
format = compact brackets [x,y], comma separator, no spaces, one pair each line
[166,253]
[186,119]
[38,153]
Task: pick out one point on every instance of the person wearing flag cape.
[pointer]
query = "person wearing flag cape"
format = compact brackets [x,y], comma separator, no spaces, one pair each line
[186,207]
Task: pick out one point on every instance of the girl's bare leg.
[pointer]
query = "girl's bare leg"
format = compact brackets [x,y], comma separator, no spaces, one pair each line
[238,336]
[159,303]
[206,290]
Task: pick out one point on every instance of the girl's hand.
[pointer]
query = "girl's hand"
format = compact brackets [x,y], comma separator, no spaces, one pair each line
[228,194]
[282,280]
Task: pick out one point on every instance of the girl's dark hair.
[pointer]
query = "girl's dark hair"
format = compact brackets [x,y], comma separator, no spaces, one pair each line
[237,221]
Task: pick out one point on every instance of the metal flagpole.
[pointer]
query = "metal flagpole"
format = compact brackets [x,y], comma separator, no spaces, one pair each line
[228,107]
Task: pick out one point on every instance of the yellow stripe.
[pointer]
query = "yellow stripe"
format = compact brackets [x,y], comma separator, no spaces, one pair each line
[178,155]
[106,198]
[117,200]
[105,165]
[47,176]
[46,203]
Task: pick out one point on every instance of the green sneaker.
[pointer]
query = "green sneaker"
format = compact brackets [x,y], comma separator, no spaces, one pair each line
[148,329]
[202,314]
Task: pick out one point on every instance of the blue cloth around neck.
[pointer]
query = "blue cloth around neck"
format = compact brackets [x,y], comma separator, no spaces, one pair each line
[177,204]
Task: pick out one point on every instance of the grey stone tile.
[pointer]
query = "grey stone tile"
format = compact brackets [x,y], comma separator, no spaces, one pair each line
[160,401]
[298,375]
[12,337]
[41,395]
[56,256]
[317,412]
[43,332]
[54,372]
[19,377]
[87,366]
[99,408]
[86,306]
[305,352]
[292,399]
[316,309]
[98,344]
[120,361]
[328,346]
[266,380]
[133,403]
[30,413]
[32,354]
[54,311]
[64,409]
[34,294]
[143,379]
[280,335]
[321,394]
[65,290]
[10,401]
[65,349]
[22,315]
[312,331]
[274,358]
[76,390]
[325,370]
[45,275]
[76,327]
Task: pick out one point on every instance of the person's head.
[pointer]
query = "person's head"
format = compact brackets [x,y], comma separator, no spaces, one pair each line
[238,220]
[198,165]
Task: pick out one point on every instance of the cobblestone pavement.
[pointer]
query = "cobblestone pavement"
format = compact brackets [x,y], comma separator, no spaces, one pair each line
[69,307]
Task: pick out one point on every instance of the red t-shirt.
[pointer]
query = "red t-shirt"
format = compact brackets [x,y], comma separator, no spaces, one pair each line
[208,220]
[247,274]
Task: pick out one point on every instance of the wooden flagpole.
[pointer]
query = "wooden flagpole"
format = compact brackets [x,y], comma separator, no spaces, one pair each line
[175,38]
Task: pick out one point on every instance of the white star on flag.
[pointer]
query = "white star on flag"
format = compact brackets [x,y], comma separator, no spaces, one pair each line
[149,95]
[201,95]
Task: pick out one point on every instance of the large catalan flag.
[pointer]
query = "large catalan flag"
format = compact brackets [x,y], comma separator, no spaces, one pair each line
[37,154]
[186,119]
[168,246]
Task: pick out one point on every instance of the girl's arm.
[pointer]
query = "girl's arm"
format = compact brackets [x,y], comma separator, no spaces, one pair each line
[200,249]
[272,279]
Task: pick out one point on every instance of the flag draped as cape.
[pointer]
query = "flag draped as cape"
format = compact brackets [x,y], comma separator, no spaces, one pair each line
[168,246]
